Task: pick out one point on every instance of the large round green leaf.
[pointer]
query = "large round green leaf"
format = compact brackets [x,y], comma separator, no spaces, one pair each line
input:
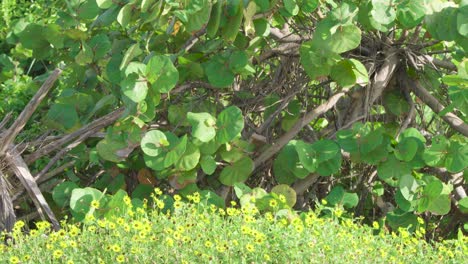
[62,193]
[203,126]
[189,159]
[161,73]
[408,186]
[338,196]
[345,38]
[108,149]
[208,164]
[457,158]
[435,155]
[287,192]
[230,123]
[383,11]
[239,171]
[406,149]
[135,88]
[410,12]
[80,201]
[349,72]
[287,166]
[391,170]
[307,155]
[153,143]
[443,25]
[218,72]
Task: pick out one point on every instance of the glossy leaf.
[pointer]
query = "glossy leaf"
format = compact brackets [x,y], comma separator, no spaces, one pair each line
[239,171]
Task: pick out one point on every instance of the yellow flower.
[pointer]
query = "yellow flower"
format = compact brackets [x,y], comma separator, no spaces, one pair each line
[95,204]
[266,257]
[233,203]
[273,203]
[324,202]
[120,258]
[177,198]
[14,260]
[375,225]
[282,198]
[208,244]
[177,204]
[57,253]
[169,242]
[160,204]
[249,247]
[73,244]
[157,191]
[26,257]
[127,200]
[70,262]
[115,248]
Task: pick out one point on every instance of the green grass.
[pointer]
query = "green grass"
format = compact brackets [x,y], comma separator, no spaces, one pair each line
[197,233]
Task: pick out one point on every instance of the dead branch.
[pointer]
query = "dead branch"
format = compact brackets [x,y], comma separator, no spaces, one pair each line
[454,121]
[298,126]
[20,168]
[27,112]
[93,126]
[7,212]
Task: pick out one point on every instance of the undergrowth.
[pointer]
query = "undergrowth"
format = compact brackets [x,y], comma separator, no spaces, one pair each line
[195,232]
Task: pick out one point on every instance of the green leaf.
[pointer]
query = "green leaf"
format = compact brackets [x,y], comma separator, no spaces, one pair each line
[203,126]
[287,166]
[63,116]
[459,97]
[406,149]
[399,218]
[88,10]
[153,143]
[109,149]
[410,12]
[85,55]
[238,60]
[338,195]
[80,201]
[316,60]
[442,25]
[287,192]
[349,72]
[392,170]
[104,4]
[218,72]
[230,124]
[176,149]
[435,155]
[208,164]
[383,11]
[307,155]
[463,205]
[408,186]
[309,6]
[155,163]
[190,159]
[125,14]
[457,158]
[135,88]
[130,54]
[291,6]
[345,38]
[239,171]
[161,73]
[462,22]
[62,193]
[439,205]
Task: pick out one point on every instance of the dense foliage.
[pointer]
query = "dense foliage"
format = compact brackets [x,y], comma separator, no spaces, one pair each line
[361,103]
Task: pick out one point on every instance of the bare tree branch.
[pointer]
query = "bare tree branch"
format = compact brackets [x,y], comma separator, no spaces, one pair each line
[21,170]
[454,121]
[27,112]
[301,123]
